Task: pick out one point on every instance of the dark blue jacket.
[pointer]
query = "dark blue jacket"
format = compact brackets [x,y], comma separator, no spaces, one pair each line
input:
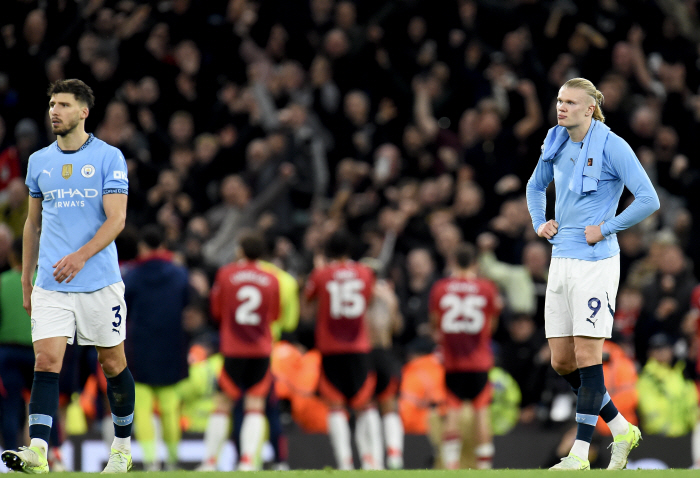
[156,344]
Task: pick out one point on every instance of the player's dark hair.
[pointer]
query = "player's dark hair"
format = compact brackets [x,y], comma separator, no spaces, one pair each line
[152,236]
[253,245]
[465,255]
[338,245]
[77,88]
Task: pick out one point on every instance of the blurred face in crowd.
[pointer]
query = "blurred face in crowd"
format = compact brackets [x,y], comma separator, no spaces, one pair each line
[181,127]
[645,122]
[149,90]
[257,154]
[673,261]
[468,200]
[574,108]
[535,258]
[35,27]
[357,107]
[345,15]
[420,264]
[117,114]
[235,191]
[336,43]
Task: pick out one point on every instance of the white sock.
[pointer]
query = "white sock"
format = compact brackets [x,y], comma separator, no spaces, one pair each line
[618,425]
[252,429]
[451,450]
[40,443]
[362,441]
[393,434]
[339,433]
[484,456]
[695,444]
[374,421]
[215,435]
[580,449]
[122,444]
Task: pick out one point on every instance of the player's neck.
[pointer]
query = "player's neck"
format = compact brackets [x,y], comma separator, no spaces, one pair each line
[464,274]
[577,133]
[73,140]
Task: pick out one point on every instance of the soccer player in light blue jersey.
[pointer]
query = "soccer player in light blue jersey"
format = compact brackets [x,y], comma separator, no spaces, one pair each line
[78,190]
[590,166]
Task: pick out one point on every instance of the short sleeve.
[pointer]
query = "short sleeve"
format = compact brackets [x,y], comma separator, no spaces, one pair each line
[31,181]
[115,176]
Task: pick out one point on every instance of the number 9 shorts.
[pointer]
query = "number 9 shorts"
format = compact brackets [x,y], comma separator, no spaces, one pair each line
[580,299]
[98,317]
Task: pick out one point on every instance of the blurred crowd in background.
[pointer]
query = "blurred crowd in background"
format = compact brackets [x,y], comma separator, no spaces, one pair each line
[413,124]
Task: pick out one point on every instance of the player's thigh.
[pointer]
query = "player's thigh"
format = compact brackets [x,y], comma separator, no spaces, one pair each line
[53,314]
[563,354]
[557,311]
[101,316]
[593,291]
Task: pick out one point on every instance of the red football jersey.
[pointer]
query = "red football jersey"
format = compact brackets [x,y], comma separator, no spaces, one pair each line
[464,310]
[246,300]
[343,290]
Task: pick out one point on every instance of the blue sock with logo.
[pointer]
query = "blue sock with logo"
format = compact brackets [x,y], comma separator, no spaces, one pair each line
[590,401]
[121,394]
[43,405]
[609,410]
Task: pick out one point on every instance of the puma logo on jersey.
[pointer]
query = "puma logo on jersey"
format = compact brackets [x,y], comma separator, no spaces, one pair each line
[573,160]
[48,172]
[591,321]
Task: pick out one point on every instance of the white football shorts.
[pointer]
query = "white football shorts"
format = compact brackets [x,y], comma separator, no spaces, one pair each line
[98,317]
[580,298]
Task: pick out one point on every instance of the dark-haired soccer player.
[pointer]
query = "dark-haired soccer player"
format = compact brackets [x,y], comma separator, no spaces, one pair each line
[245,298]
[78,190]
[343,290]
[463,309]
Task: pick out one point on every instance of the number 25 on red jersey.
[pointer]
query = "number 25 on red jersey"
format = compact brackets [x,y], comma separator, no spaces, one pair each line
[462,314]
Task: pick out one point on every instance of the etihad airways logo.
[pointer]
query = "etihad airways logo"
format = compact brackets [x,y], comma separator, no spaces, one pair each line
[70,197]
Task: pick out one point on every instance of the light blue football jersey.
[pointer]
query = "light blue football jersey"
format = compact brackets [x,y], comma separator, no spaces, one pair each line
[71,184]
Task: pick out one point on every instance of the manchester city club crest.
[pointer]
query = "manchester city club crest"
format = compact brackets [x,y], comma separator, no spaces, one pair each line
[67,171]
[88,171]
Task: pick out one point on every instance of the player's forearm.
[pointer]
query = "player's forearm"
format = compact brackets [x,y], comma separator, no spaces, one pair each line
[30,250]
[536,203]
[640,209]
[105,235]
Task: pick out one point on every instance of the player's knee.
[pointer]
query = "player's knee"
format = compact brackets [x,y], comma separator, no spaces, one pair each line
[562,367]
[47,362]
[112,365]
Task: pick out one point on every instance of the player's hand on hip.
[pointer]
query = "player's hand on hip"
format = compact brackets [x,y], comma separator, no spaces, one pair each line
[67,268]
[549,229]
[594,234]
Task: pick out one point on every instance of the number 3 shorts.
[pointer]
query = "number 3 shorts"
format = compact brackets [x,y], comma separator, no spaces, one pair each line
[98,317]
[580,299]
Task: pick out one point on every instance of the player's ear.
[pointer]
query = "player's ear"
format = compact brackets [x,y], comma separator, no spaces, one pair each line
[84,112]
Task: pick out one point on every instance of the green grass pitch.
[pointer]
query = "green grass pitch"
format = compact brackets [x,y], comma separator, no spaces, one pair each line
[412,474]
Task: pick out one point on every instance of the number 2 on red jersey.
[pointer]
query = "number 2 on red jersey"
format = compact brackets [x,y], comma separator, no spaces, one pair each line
[250,299]
[462,314]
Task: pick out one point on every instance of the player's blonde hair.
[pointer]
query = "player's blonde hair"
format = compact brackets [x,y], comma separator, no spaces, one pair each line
[589,88]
